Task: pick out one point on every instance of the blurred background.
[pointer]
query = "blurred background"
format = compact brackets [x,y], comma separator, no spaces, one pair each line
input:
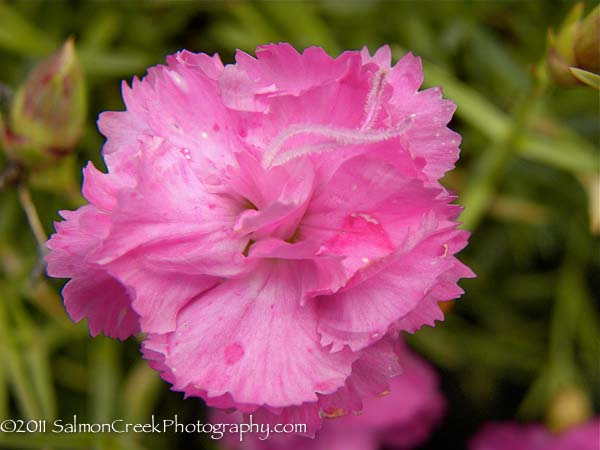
[521,344]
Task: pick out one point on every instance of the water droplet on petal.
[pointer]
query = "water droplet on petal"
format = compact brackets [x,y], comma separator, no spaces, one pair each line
[178,80]
[186,153]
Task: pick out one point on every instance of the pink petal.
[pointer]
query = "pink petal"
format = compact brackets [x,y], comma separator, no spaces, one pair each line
[175,219]
[238,339]
[157,295]
[393,291]
[104,302]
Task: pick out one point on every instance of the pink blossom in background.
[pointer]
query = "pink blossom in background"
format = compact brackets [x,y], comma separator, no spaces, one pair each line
[513,436]
[400,420]
[270,225]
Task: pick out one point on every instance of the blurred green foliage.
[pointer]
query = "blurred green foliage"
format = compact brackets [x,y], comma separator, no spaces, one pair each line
[526,328]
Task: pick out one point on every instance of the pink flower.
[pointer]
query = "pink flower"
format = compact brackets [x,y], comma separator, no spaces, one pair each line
[269,225]
[513,436]
[402,419]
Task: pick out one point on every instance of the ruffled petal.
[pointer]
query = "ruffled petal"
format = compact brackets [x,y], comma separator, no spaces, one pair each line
[242,335]
[92,293]
[172,217]
[157,295]
[394,287]
[102,300]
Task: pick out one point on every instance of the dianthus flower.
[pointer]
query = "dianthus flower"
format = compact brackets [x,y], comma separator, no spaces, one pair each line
[514,436]
[269,225]
[401,419]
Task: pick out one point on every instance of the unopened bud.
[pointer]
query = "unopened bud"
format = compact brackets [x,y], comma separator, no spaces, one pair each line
[48,111]
[561,48]
[569,406]
[574,52]
[587,45]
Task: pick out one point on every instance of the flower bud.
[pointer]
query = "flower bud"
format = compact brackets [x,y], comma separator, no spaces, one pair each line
[587,45]
[561,48]
[569,406]
[48,111]
[574,52]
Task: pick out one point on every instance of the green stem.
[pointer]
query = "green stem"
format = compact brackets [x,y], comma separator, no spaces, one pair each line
[491,167]
[9,176]
[140,392]
[36,227]
[560,368]
[105,376]
[34,350]
[4,408]
[16,369]
[563,150]
[32,217]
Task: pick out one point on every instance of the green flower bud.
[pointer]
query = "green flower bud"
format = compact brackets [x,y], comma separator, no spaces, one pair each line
[48,111]
[574,52]
[587,45]
[569,406]
[561,48]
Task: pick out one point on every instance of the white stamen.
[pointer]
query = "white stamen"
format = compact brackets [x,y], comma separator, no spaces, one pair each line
[373,103]
[336,135]
[368,218]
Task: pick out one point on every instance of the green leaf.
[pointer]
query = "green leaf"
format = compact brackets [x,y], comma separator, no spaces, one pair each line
[591,79]
[19,36]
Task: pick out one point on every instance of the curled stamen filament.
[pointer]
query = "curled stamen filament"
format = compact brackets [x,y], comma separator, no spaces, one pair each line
[373,103]
[336,135]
